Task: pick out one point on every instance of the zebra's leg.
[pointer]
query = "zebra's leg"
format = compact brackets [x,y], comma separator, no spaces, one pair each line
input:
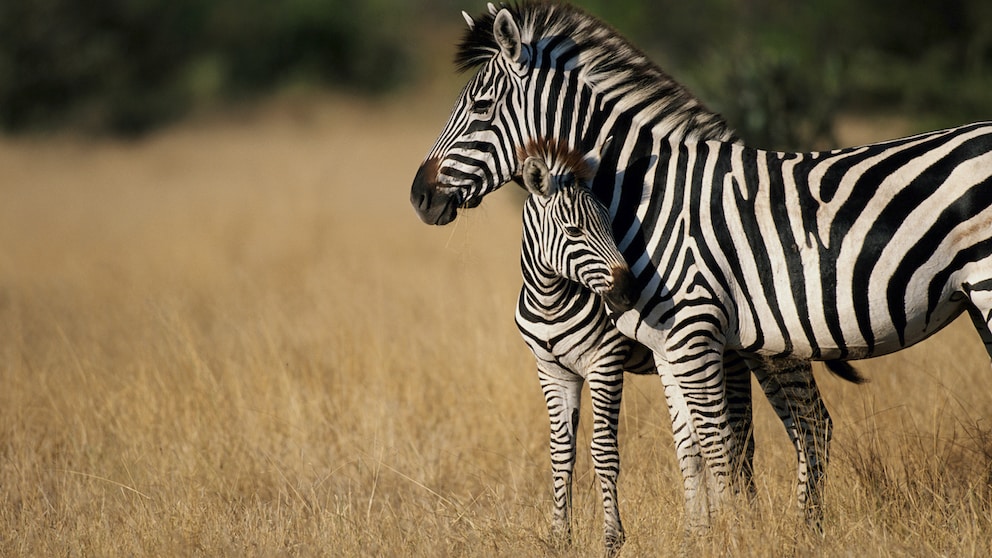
[980,310]
[696,394]
[739,411]
[562,392]
[606,390]
[793,394]
[687,450]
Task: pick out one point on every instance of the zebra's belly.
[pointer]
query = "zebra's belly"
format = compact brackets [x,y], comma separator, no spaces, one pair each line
[859,336]
[919,327]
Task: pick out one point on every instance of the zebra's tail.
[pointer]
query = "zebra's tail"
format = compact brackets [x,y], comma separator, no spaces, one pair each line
[845,371]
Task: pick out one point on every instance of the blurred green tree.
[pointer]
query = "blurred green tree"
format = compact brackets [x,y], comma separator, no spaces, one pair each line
[779,70]
[108,63]
[126,66]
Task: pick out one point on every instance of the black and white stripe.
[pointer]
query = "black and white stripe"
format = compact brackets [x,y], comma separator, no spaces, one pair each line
[786,257]
[570,262]
[549,70]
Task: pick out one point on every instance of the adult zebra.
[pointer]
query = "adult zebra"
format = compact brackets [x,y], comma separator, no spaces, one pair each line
[554,71]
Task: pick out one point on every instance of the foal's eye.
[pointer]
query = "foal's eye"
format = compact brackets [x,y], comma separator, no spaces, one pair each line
[573,231]
[482,106]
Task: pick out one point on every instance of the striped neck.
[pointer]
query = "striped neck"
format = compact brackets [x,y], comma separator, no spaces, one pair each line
[544,291]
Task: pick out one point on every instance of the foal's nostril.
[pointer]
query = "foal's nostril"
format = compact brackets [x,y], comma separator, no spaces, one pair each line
[622,296]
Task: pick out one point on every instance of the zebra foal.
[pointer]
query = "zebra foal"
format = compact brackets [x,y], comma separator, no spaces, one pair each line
[570,264]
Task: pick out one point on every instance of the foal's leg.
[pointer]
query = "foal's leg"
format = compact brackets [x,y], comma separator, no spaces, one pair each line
[605,392]
[562,391]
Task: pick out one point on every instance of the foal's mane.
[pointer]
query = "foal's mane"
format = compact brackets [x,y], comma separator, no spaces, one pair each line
[559,158]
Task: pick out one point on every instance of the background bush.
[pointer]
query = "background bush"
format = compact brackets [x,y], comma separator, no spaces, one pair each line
[779,70]
[126,66]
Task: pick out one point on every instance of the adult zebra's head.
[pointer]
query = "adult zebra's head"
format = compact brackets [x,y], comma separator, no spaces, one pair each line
[474,155]
[566,230]
[545,70]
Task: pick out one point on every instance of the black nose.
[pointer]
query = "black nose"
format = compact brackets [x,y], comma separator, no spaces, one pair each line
[623,295]
[433,207]
[420,193]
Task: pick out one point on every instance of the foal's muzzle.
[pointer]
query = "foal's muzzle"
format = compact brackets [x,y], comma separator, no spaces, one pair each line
[622,296]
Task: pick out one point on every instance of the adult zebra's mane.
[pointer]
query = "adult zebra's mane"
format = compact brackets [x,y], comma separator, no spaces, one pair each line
[607,60]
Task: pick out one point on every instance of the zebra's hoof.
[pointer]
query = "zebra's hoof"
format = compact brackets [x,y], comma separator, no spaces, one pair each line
[614,543]
[814,520]
[560,538]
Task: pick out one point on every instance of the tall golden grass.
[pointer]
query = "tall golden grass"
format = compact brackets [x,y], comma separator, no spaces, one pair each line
[236,338]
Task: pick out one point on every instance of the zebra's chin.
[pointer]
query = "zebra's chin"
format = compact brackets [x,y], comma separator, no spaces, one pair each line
[440,214]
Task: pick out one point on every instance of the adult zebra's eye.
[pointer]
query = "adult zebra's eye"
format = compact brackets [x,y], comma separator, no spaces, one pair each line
[482,106]
[573,232]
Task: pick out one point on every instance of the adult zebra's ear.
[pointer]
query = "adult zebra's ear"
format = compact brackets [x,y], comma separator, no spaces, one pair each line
[536,176]
[507,35]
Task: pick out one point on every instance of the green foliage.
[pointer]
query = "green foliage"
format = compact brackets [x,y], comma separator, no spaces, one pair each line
[103,63]
[772,100]
[335,42]
[779,70]
[128,65]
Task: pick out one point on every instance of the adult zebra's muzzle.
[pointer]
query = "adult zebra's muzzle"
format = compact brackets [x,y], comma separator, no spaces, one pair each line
[432,205]
[622,296]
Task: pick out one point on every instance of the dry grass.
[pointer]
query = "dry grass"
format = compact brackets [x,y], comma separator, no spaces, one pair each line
[237,339]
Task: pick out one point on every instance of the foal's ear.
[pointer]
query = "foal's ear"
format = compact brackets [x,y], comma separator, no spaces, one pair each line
[605,147]
[536,176]
[507,35]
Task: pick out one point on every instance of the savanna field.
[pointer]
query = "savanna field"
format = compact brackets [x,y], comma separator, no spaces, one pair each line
[235,338]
